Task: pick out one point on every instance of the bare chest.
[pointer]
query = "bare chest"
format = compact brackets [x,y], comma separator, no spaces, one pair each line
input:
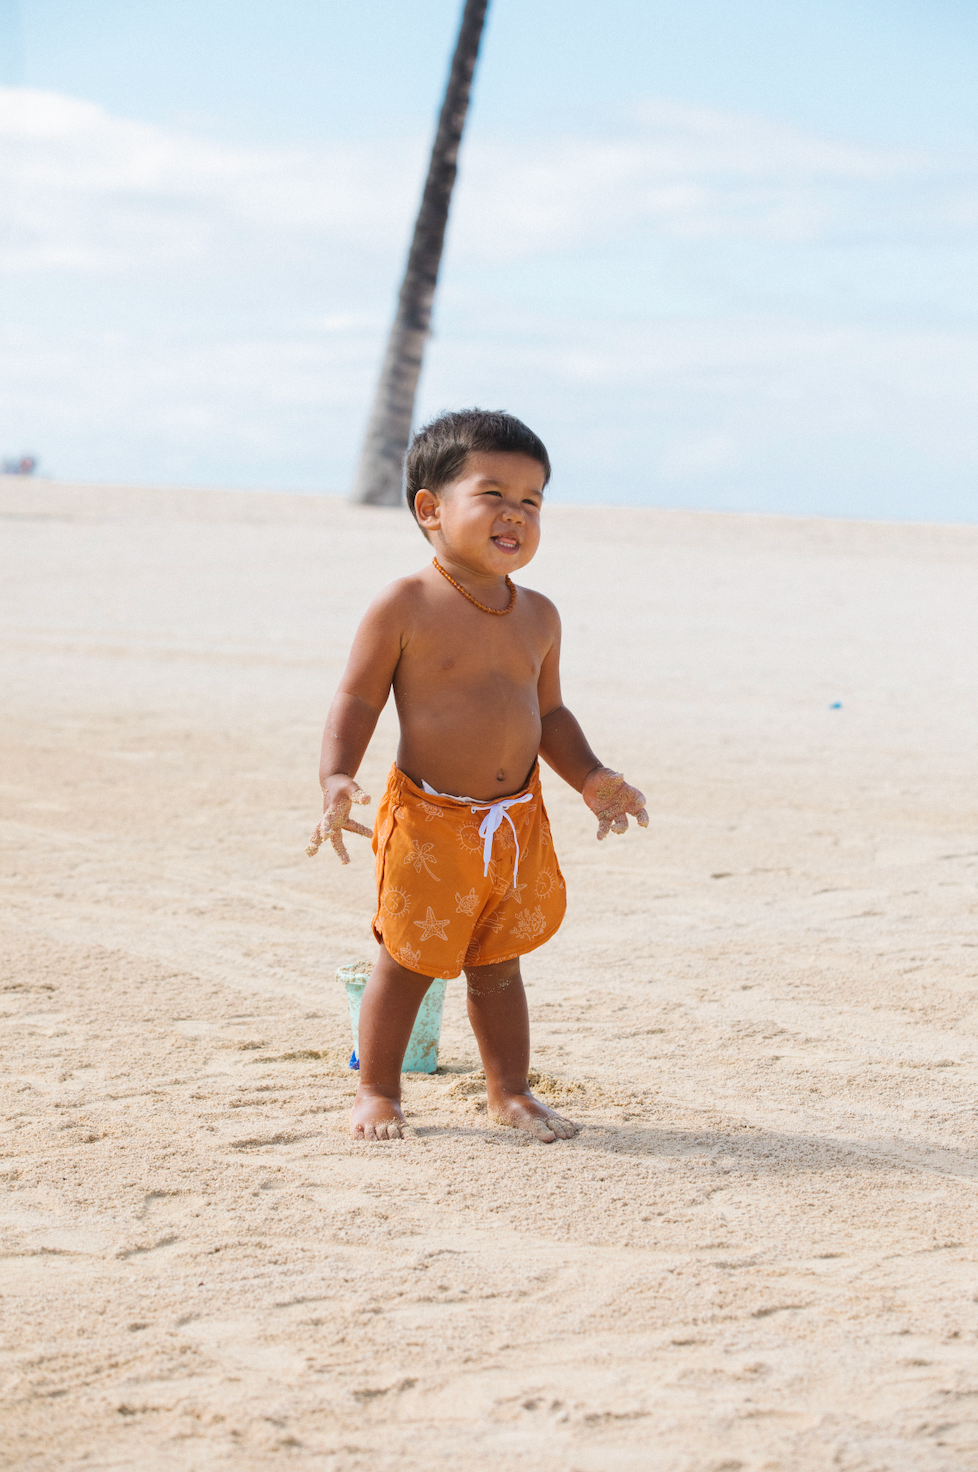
[471,647]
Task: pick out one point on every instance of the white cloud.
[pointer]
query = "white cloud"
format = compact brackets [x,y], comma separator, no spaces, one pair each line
[86,191]
[686,173]
[698,307]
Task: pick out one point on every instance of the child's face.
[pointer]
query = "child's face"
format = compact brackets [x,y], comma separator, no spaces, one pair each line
[490,518]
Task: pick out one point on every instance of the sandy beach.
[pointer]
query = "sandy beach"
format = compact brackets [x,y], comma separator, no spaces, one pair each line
[760,1253]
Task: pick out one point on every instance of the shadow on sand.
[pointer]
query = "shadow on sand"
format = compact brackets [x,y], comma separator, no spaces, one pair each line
[738,1150]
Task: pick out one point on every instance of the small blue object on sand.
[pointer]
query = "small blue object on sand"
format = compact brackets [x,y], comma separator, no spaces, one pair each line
[354,1060]
[836,705]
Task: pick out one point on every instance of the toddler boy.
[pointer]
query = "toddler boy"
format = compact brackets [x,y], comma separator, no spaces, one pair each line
[467,877]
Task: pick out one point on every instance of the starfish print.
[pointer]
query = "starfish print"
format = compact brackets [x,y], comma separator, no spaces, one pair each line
[465,903]
[429,926]
[422,856]
[515,891]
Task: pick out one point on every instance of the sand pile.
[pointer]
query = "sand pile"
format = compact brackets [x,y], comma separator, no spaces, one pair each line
[760,1253]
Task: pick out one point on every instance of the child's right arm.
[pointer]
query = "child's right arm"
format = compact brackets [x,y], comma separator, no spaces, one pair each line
[362,694]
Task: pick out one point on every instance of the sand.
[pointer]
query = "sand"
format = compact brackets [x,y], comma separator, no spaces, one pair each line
[761,1251]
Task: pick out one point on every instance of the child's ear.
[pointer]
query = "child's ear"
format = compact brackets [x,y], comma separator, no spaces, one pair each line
[426,509]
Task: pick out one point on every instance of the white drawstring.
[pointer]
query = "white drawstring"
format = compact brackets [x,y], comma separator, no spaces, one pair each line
[494,817]
[495,813]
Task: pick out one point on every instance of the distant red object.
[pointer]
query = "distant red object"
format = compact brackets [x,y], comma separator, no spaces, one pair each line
[26,465]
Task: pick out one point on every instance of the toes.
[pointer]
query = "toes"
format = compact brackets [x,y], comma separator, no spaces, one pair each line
[378,1129]
[544,1127]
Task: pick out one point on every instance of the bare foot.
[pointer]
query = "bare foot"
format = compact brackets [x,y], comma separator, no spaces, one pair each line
[375,1117]
[526,1112]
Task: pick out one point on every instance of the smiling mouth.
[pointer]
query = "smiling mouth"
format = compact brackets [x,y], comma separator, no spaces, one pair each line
[506,544]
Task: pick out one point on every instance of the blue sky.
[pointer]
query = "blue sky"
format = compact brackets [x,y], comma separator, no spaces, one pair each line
[718,254]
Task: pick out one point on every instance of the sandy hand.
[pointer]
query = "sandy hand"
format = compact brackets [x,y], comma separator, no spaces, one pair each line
[336,821]
[613,801]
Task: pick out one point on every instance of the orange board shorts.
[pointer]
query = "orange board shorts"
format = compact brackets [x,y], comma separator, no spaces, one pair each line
[440,905]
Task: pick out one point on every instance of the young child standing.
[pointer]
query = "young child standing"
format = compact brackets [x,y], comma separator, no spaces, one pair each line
[467,877]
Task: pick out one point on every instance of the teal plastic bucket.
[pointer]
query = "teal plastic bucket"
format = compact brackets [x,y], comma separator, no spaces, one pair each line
[422,1048]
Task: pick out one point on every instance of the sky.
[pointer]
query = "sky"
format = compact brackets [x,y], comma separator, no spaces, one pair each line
[719,255]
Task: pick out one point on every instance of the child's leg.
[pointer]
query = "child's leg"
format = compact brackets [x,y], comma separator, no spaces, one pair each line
[389,1006]
[497,1012]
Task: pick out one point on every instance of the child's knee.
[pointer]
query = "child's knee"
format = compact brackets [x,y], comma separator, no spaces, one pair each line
[482,981]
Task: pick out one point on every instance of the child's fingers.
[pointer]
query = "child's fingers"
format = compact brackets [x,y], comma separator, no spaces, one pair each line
[351,826]
[619,802]
[361,797]
[611,822]
[334,820]
[316,838]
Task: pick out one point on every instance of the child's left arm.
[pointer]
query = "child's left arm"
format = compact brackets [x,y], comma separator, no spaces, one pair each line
[564,746]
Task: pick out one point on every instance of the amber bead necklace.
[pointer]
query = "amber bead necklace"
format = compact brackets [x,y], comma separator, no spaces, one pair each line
[499,612]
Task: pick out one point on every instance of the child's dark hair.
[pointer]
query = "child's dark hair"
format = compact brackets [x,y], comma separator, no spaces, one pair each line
[438,451]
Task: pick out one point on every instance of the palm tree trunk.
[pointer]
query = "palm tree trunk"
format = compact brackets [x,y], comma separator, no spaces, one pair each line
[380,474]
